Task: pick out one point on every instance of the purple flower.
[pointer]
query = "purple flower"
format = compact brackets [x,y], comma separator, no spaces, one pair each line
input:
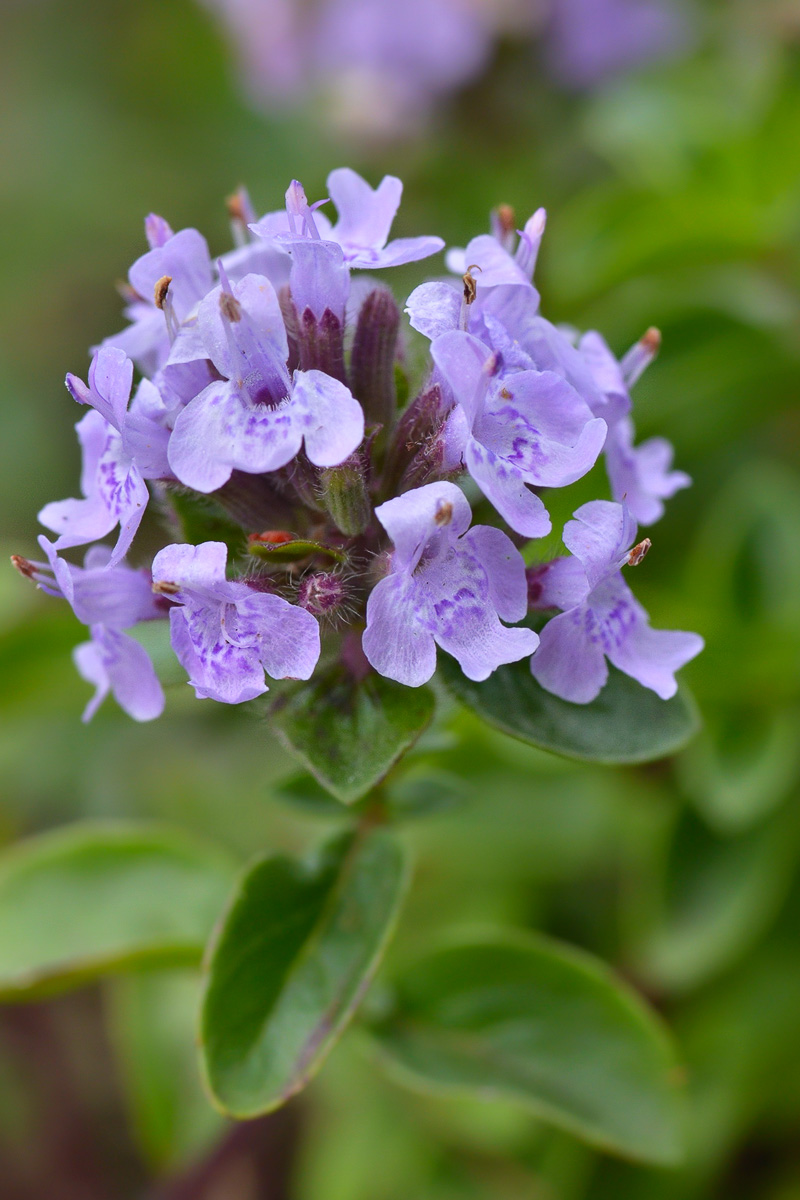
[526,428]
[256,418]
[112,479]
[640,475]
[227,634]
[600,618]
[497,289]
[323,253]
[108,599]
[157,310]
[447,587]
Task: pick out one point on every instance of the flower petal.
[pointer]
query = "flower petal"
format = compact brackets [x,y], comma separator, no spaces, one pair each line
[570,662]
[328,415]
[397,640]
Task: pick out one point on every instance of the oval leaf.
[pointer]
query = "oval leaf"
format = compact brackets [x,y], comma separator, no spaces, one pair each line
[627,723]
[525,1019]
[90,899]
[348,734]
[297,950]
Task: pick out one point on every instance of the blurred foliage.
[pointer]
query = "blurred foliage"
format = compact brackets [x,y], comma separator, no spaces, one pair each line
[674,200]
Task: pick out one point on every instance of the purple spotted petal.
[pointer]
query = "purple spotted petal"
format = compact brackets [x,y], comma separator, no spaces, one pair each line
[652,656]
[217,669]
[505,570]
[114,662]
[222,430]
[398,640]
[330,418]
[115,494]
[463,617]
[569,662]
[503,484]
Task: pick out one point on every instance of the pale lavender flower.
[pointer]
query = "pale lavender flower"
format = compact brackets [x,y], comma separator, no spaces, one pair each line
[227,634]
[112,479]
[109,599]
[256,418]
[447,587]
[600,617]
[639,475]
[324,253]
[157,309]
[528,428]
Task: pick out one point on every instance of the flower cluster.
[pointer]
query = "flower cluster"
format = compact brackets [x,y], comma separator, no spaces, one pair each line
[265,428]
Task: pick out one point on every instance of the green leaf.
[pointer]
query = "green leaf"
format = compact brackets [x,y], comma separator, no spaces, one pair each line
[153,1020]
[348,734]
[292,960]
[95,898]
[627,723]
[522,1018]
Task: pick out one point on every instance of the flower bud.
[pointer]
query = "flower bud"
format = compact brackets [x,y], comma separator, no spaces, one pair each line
[346,498]
[372,357]
[320,344]
[322,594]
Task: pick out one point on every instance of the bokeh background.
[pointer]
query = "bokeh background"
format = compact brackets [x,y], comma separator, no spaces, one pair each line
[673,193]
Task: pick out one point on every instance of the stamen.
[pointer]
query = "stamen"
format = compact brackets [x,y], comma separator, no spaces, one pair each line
[470,292]
[470,283]
[160,291]
[163,587]
[638,552]
[444,513]
[24,566]
[640,356]
[504,226]
[230,307]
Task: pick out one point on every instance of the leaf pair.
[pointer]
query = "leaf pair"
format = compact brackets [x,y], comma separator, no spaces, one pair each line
[349,735]
[509,1015]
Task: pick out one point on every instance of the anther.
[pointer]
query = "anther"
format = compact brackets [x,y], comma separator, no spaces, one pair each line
[160,291]
[470,284]
[638,552]
[230,307]
[23,565]
[163,587]
[444,513]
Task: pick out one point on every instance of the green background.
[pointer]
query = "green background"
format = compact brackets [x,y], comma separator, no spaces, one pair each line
[674,200]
